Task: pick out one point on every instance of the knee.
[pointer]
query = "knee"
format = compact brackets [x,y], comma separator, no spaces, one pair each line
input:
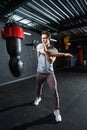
[54,91]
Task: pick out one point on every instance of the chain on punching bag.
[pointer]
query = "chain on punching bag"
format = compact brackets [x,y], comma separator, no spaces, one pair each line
[13,34]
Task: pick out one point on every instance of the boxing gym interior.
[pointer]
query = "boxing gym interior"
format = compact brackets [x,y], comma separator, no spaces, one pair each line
[21,24]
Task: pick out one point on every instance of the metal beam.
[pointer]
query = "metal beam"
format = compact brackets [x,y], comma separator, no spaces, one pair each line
[75,21]
[10,7]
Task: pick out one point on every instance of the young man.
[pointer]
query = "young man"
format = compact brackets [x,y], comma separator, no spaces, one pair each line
[46,56]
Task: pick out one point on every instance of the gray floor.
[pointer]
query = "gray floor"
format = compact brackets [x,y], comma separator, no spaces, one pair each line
[17,111]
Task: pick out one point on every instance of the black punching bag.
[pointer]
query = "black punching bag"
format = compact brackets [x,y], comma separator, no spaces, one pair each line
[13,34]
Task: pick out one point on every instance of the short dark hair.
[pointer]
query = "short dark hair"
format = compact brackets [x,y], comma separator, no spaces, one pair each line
[47,33]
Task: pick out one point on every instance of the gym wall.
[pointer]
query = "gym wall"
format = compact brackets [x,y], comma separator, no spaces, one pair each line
[28,56]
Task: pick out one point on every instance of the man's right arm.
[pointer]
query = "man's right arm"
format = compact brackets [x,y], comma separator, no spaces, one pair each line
[56,54]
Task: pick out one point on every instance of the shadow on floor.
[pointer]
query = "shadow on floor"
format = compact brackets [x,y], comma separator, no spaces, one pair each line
[21,105]
[49,119]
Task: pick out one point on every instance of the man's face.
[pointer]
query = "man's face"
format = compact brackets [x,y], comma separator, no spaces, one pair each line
[45,40]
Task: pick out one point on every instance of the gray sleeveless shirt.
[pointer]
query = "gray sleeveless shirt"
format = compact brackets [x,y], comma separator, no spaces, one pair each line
[43,65]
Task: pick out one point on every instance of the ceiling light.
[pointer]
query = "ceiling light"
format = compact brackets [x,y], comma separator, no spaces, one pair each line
[16,17]
[26,33]
[54,40]
[28,14]
[25,21]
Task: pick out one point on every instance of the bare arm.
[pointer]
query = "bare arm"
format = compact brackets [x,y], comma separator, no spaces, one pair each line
[51,55]
[50,59]
[55,53]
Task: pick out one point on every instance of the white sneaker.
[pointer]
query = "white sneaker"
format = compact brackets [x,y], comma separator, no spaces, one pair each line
[57,115]
[37,100]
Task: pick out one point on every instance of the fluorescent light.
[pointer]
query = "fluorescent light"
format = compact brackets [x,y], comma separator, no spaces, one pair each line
[25,21]
[25,12]
[69,43]
[26,33]
[33,15]
[54,40]
[32,24]
[16,17]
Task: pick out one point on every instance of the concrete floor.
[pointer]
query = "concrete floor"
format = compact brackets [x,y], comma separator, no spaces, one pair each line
[17,111]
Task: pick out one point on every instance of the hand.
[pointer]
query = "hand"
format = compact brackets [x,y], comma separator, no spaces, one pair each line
[45,48]
[68,55]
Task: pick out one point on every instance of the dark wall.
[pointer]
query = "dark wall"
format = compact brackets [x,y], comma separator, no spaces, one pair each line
[28,56]
[64,62]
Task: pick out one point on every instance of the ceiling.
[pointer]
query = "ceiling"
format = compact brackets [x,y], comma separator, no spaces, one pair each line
[53,15]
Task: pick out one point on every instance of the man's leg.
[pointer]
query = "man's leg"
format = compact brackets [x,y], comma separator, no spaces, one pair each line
[51,80]
[40,78]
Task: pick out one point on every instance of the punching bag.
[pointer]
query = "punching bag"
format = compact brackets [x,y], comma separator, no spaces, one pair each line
[13,34]
[80,56]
